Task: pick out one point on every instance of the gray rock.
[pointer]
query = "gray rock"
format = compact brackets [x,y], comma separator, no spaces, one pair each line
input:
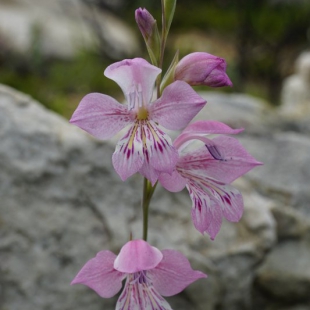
[295,91]
[285,273]
[285,174]
[236,110]
[61,203]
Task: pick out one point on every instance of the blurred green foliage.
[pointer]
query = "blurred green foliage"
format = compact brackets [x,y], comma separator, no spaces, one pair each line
[58,84]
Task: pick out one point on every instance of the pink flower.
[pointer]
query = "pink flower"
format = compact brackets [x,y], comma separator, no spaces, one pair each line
[207,173]
[202,69]
[144,147]
[149,273]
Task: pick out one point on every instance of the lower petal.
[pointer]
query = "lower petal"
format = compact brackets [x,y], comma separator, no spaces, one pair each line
[140,294]
[128,156]
[230,201]
[161,155]
[202,214]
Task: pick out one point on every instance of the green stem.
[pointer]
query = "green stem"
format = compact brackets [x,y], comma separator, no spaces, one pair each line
[162,46]
[148,191]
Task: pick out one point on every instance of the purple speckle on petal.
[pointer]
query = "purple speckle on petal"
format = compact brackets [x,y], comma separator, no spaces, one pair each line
[227,199]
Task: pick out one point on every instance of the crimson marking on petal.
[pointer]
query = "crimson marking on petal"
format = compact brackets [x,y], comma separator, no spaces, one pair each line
[227,199]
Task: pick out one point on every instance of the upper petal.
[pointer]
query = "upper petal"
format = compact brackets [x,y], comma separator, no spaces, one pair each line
[201,128]
[174,273]
[98,274]
[177,106]
[137,255]
[235,161]
[101,115]
[130,73]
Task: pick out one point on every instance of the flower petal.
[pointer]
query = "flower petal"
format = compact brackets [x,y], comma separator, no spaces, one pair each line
[202,128]
[149,172]
[128,156]
[216,222]
[202,214]
[101,116]
[177,106]
[212,200]
[140,294]
[173,274]
[173,182]
[137,255]
[144,147]
[130,73]
[228,199]
[235,160]
[161,154]
[98,274]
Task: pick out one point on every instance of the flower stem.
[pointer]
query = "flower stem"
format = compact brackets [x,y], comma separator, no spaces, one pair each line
[148,191]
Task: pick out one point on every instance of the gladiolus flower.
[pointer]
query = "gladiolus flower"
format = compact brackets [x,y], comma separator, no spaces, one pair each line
[207,173]
[202,69]
[149,273]
[144,147]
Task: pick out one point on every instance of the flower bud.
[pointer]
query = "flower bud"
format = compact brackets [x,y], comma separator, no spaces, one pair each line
[145,22]
[148,27]
[202,69]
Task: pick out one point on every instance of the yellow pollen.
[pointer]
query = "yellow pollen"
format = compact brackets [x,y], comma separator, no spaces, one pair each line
[142,113]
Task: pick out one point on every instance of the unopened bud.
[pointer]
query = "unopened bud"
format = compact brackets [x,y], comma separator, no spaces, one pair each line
[145,22]
[202,69]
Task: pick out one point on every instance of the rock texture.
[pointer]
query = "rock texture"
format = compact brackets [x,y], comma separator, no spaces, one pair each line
[296,90]
[61,203]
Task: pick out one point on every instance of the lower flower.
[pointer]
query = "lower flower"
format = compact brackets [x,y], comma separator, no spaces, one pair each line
[149,273]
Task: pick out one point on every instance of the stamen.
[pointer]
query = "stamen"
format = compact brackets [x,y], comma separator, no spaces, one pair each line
[135,98]
[215,152]
[140,96]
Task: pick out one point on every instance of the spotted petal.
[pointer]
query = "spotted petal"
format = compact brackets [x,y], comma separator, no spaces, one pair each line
[140,294]
[212,200]
[173,274]
[101,116]
[144,145]
[128,156]
[161,154]
[177,106]
[99,274]
[134,73]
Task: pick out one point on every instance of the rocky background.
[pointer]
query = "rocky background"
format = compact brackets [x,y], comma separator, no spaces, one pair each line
[61,203]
